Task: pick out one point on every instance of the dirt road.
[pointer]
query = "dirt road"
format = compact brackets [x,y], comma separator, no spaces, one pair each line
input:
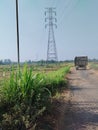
[82,112]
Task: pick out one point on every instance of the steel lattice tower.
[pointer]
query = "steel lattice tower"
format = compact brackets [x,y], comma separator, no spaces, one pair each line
[50,14]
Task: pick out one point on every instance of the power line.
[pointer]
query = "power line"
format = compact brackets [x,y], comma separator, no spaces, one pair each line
[66,6]
[73,7]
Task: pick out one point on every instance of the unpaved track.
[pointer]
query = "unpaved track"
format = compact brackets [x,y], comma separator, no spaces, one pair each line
[82,112]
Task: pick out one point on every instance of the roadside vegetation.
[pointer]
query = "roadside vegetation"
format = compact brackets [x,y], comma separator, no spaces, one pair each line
[94,65]
[26,94]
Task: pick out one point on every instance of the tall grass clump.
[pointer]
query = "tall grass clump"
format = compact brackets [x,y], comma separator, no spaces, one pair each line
[25,96]
[56,80]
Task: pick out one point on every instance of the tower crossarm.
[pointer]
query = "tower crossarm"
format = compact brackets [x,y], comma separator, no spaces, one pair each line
[52,18]
[51,24]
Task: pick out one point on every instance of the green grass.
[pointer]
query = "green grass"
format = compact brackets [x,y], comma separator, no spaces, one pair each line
[25,95]
[94,65]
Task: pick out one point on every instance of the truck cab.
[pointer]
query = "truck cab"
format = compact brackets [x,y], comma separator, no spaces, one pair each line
[81,62]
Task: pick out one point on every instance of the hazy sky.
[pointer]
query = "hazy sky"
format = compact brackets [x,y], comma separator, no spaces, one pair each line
[77,32]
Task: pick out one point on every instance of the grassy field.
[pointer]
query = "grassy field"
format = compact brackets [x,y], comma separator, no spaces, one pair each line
[26,93]
[94,65]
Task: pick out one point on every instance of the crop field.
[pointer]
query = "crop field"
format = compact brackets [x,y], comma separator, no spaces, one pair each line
[94,65]
[26,93]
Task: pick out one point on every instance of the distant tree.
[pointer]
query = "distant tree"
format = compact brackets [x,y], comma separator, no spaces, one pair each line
[41,62]
[1,62]
[29,61]
[51,61]
[7,61]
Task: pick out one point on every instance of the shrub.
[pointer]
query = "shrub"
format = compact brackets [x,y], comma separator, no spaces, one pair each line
[25,96]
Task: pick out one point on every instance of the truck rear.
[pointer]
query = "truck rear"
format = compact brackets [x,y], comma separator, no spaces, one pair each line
[81,62]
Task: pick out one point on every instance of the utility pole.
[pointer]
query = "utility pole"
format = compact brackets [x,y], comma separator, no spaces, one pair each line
[50,14]
[17,27]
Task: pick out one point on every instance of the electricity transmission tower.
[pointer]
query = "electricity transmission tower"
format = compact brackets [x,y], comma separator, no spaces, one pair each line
[50,14]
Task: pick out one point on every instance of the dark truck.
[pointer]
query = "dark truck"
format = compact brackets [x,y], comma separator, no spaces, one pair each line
[81,62]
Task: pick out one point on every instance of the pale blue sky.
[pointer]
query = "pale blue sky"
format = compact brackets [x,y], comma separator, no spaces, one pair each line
[77,32]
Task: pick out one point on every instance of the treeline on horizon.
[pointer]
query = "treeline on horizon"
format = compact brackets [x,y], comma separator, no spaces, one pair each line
[41,62]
